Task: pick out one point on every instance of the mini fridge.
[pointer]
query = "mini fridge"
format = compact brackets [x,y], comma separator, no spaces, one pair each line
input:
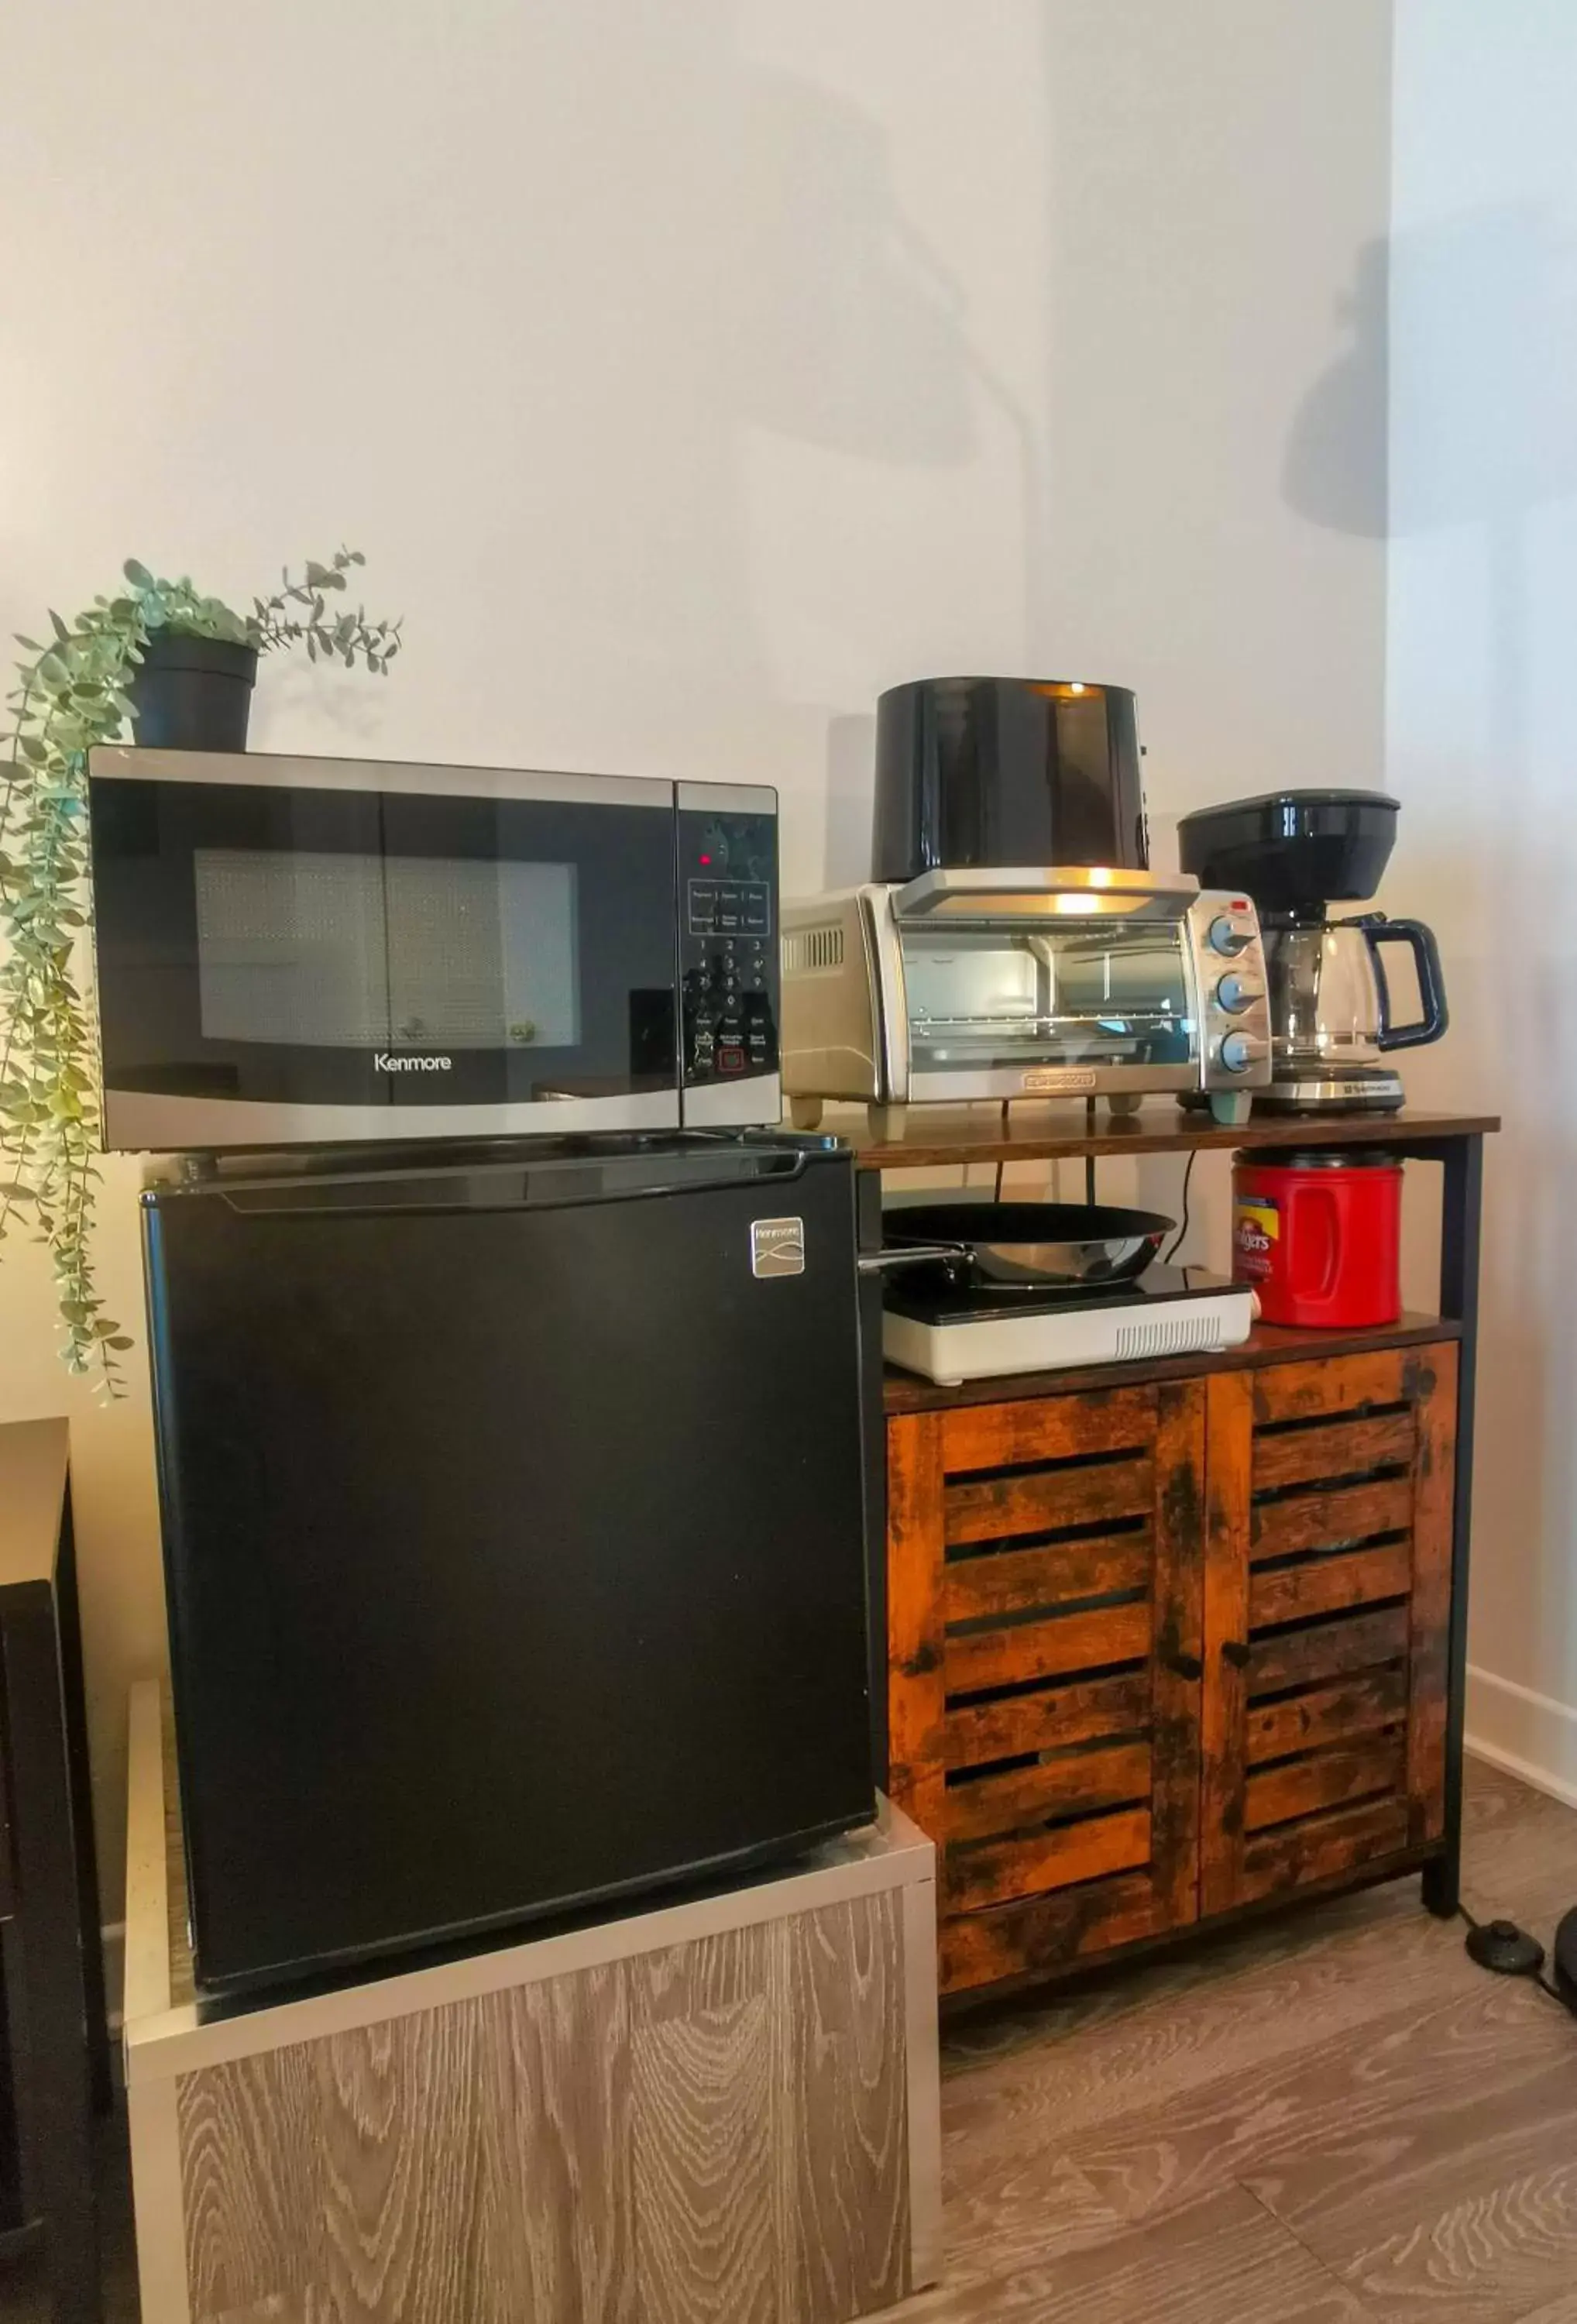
[513,1534]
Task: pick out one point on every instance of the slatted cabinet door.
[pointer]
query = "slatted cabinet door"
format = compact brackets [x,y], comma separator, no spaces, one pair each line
[1045,1635]
[1327,1612]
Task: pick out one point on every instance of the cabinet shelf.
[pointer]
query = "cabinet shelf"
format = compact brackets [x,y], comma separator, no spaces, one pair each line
[1268,1344]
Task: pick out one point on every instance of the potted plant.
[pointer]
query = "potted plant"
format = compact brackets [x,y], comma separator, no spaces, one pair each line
[176,668]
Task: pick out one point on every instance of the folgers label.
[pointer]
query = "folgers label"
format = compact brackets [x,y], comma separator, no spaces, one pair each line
[1256,1231]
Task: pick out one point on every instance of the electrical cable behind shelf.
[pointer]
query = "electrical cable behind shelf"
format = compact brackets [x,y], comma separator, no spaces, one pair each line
[1178,1239]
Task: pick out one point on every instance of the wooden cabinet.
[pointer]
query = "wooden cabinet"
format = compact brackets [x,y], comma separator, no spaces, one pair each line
[1161,1650]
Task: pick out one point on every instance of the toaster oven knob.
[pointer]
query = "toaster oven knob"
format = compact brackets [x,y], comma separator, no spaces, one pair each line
[1226,937]
[1235,1053]
[1233,995]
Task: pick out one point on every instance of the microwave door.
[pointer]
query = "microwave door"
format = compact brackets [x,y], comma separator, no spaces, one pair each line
[289,960]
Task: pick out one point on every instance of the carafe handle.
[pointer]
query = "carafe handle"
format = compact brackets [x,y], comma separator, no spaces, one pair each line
[1420,941]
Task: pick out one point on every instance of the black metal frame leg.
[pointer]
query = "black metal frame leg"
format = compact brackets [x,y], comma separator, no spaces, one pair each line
[1462,1208]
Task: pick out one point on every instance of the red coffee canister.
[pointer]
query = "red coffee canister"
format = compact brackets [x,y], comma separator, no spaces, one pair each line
[1318,1231]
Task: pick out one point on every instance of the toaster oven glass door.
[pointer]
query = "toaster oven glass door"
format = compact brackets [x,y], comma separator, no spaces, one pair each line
[281,961]
[1096,994]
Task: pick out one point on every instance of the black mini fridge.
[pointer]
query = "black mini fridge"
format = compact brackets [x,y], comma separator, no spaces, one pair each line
[513,1534]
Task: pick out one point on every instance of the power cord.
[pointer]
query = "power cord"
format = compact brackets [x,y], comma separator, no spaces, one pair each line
[1178,1239]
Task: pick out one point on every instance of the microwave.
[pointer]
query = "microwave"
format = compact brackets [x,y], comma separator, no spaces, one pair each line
[296,951]
[1073,982]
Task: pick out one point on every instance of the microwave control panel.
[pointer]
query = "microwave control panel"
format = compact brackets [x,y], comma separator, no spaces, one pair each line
[728,945]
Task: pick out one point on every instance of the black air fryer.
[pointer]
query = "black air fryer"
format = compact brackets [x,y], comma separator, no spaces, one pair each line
[994,771]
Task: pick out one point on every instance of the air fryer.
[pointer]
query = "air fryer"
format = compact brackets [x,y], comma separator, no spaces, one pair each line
[997,771]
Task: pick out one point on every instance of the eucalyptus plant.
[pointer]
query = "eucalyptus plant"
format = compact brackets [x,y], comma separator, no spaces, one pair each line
[72,693]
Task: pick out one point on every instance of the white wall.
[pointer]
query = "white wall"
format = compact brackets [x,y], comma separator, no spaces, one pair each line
[1482,748]
[688,373]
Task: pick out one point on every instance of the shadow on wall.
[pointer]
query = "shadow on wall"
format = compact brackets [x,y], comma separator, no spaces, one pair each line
[1469,324]
[764,276]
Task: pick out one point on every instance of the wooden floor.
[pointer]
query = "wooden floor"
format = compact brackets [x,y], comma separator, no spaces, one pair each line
[1335,2119]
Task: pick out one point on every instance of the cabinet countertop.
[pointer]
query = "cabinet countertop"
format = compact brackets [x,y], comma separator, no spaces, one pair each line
[932,1138]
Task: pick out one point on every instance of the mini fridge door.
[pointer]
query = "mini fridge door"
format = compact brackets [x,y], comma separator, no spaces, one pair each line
[513,1538]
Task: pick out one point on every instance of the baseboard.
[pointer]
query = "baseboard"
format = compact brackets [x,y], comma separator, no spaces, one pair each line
[1529,1735]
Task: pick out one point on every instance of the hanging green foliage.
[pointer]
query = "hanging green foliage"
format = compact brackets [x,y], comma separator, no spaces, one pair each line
[73,692]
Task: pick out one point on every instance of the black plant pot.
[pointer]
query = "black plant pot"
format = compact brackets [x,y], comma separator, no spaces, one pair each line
[192,694]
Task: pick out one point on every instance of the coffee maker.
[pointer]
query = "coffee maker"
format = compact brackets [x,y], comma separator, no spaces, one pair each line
[1333,1022]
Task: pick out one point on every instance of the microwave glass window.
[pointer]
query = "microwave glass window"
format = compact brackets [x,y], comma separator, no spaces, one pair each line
[1088,997]
[482,954]
[341,950]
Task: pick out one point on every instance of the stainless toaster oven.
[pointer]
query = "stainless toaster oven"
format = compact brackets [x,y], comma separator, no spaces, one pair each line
[1042,982]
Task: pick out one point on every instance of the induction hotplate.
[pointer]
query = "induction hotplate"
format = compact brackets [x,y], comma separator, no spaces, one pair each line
[950,1330]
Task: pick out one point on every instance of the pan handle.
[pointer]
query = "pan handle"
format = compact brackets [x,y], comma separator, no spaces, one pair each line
[917,1254]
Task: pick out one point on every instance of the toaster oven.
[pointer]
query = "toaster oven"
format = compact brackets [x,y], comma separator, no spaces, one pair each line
[1046,982]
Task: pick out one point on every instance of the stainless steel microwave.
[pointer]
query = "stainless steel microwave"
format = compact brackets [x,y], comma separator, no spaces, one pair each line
[300,950]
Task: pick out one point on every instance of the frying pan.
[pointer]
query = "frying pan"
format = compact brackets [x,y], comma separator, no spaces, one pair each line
[1026,1246]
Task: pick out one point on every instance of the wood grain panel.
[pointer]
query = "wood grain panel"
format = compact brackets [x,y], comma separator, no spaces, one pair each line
[399,2131]
[1018,1581]
[1074,1782]
[1326,1779]
[1434,1492]
[1047,1933]
[1338,1713]
[1328,1520]
[1079,1712]
[556,2187]
[704,2054]
[1341,1448]
[916,1696]
[1046,1428]
[997,1870]
[1177,1612]
[1042,1500]
[1329,1583]
[717,2130]
[249,2179]
[1066,1644]
[1230,1412]
[1338,1841]
[1327,1650]
[844,2142]
[1330,1385]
